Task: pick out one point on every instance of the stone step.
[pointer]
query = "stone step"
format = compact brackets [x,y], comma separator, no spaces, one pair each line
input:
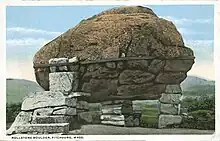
[43,128]
[47,99]
[111,109]
[51,119]
[116,123]
[112,117]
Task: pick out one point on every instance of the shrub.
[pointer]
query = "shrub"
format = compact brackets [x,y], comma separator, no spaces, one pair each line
[12,111]
[201,119]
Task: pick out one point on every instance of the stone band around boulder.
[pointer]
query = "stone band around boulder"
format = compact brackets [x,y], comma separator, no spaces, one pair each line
[58,61]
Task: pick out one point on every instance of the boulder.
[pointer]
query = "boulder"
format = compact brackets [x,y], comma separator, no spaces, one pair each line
[121,53]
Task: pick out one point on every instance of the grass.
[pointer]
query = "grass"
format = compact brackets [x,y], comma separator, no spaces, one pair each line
[149,118]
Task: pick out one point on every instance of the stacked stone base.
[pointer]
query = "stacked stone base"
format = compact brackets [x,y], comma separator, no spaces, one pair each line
[49,112]
[169,107]
[120,113]
[54,111]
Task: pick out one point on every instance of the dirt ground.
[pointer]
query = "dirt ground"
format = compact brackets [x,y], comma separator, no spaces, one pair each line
[113,130]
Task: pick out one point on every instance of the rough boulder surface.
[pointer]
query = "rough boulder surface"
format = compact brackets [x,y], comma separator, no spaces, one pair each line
[132,31]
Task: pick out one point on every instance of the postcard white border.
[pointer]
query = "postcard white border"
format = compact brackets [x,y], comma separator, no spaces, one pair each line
[215,136]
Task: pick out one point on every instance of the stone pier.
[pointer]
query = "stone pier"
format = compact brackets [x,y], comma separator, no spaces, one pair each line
[120,113]
[169,106]
[56,110]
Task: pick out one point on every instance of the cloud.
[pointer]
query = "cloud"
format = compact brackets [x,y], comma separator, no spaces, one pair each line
[205,70]
[26,42]
[204,53]
[187,31]
[203,49]
[22,69]
[31,31]
[181,21]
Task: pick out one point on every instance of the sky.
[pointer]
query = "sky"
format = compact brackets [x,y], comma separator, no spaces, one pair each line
[28,28]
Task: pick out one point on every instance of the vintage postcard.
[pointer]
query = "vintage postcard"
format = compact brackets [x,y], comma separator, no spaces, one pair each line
[80,70]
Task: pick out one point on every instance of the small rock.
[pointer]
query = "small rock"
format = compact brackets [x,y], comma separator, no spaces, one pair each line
[165,120]
[43,111]
[73,60]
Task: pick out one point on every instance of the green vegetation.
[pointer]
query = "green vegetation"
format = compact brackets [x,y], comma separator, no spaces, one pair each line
[12,111]
[17,89]
[200,90]
[201,113]
[149,117]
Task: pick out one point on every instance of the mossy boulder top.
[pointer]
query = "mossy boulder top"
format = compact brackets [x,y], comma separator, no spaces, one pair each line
[131,31]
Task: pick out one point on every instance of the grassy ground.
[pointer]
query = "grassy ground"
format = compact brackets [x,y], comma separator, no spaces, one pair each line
[149,117]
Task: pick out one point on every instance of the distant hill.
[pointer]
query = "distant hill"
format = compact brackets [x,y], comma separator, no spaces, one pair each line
[195,86]
[17,89]
[191,81]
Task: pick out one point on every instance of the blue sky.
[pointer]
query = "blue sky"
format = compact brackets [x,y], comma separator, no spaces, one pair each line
[29,27]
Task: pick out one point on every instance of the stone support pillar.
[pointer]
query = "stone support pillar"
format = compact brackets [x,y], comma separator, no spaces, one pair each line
[56,110]
[169,106]
[120,113]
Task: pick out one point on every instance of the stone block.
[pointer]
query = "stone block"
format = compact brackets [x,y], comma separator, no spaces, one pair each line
[137,64]
[110,65]
[112,117]
[43,111]
[168,109]
[113,102]
[112,109]
[156,66]
[21,119]
[127,107]
[79,94]
[90,117]
[165,120]
[178,65]
[173,89]
[170,77]
[135,77]
[43,128]
[86,117]
[170,98]
[116,123]
[63,81]
[82,105]
[136,122]
[58,61]
[65,111]
[47,99]
[50,119]
[73,60]
[129,121]
[137,109]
